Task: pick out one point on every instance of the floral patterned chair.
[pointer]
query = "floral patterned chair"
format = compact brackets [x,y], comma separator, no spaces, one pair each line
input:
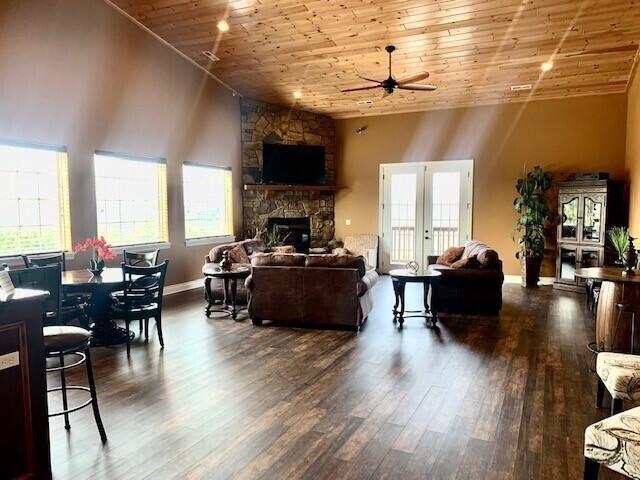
[362,244]
[619,374]
[615,443]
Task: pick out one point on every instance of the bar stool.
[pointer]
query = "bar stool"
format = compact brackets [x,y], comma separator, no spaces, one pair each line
[67,340]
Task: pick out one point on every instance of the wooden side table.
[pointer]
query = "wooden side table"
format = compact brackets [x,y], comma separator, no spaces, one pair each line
[429,279]
[230,281]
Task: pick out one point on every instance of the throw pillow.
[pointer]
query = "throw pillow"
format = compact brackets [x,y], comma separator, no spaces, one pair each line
[466,262]
[239,255]
[450,255]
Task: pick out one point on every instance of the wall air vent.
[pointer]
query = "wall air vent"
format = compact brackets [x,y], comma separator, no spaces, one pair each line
[520,88]
[210,55]
[365,103]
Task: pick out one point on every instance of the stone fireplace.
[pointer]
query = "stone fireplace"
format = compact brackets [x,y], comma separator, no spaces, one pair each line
[263,122]
[294,231]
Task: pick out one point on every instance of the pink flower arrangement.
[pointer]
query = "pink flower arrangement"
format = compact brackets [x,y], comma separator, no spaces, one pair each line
[101,251]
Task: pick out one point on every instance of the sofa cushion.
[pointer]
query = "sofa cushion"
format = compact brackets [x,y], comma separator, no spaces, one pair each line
[466,262]
[487,257]
[450,255]
[278,260]
[338,261]
[238,254]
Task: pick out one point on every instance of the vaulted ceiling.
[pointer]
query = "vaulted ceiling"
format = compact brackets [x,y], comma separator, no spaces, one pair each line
[475,50]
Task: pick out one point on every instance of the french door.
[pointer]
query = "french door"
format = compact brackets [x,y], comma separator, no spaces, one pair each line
[425,208]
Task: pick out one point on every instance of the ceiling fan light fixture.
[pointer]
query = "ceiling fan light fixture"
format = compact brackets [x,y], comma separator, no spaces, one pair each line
[223,26]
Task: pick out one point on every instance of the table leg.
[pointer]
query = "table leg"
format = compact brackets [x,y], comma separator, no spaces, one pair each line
[105,330]
[208,295]
[234,290]
[394,282]
[433,303]
[401,286]
[227,294]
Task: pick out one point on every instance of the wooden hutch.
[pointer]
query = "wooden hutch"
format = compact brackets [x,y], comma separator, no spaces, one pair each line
[586,209]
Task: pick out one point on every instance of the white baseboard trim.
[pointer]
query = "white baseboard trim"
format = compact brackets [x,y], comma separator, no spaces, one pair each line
[518,279]
[183,287]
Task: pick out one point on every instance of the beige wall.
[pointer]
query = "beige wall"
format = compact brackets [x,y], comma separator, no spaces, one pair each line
[581,134]
[78,74]
[633,154]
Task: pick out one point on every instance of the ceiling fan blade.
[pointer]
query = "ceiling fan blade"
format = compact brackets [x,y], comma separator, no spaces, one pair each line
[359,89]
[369,79]
[418,87]
[414,78]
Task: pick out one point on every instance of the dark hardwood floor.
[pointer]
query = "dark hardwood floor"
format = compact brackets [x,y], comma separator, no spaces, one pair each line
[479,398]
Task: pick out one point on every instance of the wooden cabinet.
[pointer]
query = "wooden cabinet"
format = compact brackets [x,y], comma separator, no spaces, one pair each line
[586,210]
[24,435]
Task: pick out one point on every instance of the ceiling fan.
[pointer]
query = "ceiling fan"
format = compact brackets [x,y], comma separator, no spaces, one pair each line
[391,84]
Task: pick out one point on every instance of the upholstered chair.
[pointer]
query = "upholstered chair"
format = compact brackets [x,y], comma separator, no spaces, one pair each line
[364,244]
[619,374]
[615,443]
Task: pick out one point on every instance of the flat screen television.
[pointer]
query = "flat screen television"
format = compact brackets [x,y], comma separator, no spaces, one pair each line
[293,164]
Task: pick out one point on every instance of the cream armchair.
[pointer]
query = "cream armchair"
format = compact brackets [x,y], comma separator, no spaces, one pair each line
[364,244]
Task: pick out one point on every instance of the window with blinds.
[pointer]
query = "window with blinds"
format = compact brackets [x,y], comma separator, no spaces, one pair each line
[34,200]
[207,201]
[131,199]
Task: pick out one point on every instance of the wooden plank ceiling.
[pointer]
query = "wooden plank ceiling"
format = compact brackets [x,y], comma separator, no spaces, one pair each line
[475,50]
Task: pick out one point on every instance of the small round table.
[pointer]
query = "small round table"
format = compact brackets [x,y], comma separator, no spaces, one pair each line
[230,281]
[429,278]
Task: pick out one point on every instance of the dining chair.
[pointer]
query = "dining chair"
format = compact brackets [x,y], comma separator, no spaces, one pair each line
[74,305]
[141,298]
[61,340]
[45,260]
[141,259]
[44,278]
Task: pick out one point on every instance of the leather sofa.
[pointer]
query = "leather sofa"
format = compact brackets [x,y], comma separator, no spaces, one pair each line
[310,290]
[475,289]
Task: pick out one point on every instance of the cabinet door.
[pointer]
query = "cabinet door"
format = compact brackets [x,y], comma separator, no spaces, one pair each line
[593,221]
[567,263]
[590,257]
[568,206]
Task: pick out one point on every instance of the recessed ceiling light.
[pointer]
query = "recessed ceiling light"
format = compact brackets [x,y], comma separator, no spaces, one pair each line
[297,94]
[519,88]
[210,55]
[223,26]
[546,66]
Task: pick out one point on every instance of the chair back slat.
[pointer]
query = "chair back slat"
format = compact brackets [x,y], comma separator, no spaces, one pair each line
[141,259]
[47,278]
[45,260]
[144,284]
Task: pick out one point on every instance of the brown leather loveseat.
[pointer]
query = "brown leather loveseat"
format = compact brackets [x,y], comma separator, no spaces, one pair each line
[310,290]
[472,283]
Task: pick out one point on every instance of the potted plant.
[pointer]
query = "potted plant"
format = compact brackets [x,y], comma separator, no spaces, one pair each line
[622,243]
[534,215]
[101,251]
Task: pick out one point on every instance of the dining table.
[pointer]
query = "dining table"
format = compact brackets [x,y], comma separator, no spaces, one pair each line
[99,287]
[617,288]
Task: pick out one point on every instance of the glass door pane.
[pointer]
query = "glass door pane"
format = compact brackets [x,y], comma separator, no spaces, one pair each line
[445,211]
[403,217]
[592,222]
[569,217]
[589,258]
[568,264]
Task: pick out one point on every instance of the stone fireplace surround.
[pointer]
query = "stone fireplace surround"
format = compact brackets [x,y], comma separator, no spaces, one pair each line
[265,123]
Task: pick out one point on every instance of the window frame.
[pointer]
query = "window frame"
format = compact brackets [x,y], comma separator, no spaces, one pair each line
[163,201]
[64,203]
[228,195]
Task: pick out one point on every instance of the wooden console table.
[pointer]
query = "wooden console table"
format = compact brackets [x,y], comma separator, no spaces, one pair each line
[24,435]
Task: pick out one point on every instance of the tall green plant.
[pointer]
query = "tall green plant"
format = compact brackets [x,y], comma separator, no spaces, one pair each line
[619,237]
[533,211]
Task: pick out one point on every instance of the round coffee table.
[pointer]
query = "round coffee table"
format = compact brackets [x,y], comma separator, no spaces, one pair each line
[230,281]
[429,278]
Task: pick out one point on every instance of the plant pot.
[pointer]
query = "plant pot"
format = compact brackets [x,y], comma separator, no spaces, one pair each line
[530,267]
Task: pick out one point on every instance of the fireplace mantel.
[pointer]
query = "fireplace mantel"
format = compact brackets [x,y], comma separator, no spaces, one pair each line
[312,189]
